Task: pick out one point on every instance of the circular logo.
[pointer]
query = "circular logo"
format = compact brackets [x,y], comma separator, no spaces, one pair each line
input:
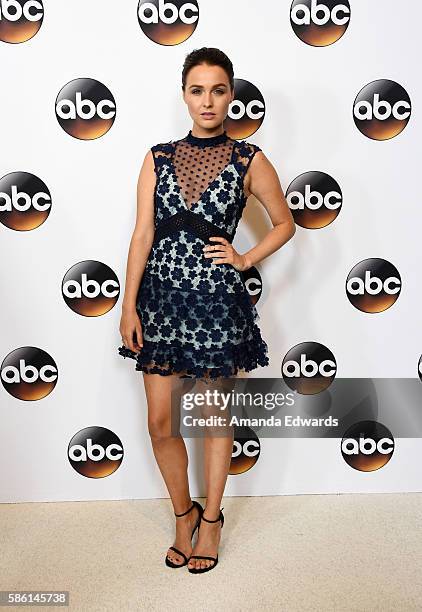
[95,452]
[382,109]
[309,368]
[25,201]
[315,199]
[28,373]
[246,111]
[319,23]
[246,450]
[90,288]
[85,109]
[373,285]
[253,283]
[420,368]
[20,20]
[168,22]
[367,446]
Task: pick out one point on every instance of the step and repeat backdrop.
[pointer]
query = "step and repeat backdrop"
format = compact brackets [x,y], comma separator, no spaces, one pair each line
[330,91]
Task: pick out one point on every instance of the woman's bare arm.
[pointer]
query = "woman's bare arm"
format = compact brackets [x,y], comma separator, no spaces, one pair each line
[262,181]
[143,234]
[139,249]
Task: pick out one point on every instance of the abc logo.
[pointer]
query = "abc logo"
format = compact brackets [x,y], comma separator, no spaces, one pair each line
[246,449]
[168,22]
[315,199]
[420,368]
[246,111]
[85,109]
[373,285]
[319,22]
[28,373]
[367,446]
[308,368]
[253,283]
[95,452]
[20,20]
[25,201]
[90,288]
[381,109]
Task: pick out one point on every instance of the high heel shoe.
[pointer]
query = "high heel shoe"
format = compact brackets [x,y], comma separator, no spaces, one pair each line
[170,563]
[194,570]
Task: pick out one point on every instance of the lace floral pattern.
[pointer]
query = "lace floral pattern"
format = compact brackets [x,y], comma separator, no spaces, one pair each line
[195,332]
[197,317]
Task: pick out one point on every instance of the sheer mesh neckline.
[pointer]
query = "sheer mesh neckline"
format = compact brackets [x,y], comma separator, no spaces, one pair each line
[206,141]
[198,162]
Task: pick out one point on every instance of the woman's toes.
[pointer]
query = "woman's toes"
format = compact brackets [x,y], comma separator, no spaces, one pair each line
[174,557]
[200,563]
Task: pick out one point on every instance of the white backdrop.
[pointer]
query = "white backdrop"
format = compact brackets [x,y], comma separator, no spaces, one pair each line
[308,125]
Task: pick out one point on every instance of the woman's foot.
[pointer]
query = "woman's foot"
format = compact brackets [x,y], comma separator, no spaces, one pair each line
[207,544]
[183,541]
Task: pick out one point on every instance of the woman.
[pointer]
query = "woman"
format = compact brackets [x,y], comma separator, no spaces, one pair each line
[186,311]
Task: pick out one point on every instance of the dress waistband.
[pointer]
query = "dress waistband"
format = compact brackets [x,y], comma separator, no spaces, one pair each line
[189,221]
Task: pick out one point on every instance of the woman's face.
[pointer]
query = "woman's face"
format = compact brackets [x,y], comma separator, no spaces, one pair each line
[207,90]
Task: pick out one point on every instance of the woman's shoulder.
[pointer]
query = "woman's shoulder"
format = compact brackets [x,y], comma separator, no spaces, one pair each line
[245,151]
[248,147]
[162,147]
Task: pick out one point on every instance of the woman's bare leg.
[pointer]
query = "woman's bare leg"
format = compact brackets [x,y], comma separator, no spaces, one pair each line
[171,456]
[218,449]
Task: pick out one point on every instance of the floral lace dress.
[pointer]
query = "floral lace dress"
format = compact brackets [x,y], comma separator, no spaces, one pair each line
[197,317]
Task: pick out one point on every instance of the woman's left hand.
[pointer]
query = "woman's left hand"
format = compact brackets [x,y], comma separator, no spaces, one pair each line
[226,254]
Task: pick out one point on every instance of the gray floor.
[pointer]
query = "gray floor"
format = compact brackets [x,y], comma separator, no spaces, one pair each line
[306,552]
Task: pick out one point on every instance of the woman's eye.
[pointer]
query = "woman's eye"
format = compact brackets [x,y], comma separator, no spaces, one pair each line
[195,91]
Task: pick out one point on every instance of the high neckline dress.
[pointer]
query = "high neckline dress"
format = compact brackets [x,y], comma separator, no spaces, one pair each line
[197,317]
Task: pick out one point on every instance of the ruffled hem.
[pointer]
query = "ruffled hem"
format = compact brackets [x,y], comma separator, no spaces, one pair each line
[165,359]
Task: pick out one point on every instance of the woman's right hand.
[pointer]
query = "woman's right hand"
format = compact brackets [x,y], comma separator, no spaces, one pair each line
[131,330]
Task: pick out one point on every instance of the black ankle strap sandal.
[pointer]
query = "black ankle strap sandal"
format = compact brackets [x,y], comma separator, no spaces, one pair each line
[168,561]
[194,570]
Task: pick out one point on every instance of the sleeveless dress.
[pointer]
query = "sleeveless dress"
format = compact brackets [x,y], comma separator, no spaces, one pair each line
[197,317]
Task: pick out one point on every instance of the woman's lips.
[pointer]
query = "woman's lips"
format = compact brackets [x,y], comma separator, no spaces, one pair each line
[207,115]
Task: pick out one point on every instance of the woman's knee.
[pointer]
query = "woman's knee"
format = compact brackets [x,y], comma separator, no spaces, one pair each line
[159,427]
[159,396]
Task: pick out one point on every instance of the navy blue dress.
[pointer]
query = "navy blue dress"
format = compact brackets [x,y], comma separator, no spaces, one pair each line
[197,317]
